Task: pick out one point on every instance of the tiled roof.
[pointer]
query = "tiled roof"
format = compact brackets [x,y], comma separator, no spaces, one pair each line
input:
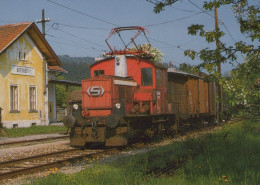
[8,33]
[56,68]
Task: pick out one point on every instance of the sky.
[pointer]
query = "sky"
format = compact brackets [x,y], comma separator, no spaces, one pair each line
[78,28]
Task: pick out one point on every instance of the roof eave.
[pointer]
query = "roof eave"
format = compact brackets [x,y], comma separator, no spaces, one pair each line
[47,46]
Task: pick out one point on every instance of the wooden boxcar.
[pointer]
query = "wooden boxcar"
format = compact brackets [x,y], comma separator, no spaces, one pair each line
[190,95]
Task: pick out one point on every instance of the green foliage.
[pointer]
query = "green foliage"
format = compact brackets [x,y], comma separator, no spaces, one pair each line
[77,67]
[155,54]
[159,5]
[248,18]
[243,94]
[19,132]
[61,93]
[189,68]
[242,87]
[229,156]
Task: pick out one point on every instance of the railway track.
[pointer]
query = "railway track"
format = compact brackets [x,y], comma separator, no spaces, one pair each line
[171,166]
[31,141]
[33,164]
[13,168]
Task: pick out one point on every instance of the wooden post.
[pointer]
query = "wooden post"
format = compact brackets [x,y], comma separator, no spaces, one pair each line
[43,23]
[1,116]
[220,104]
[67,98]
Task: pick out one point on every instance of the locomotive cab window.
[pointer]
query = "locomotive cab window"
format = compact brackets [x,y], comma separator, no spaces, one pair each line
[147,76]
[99,72]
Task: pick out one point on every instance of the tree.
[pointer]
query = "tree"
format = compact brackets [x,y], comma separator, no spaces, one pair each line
[61,94]
[248,18]
[242,88]
[189,68]
[246,15]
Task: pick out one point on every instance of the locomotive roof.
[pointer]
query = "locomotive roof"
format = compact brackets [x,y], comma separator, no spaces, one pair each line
[155,64]
[110,76]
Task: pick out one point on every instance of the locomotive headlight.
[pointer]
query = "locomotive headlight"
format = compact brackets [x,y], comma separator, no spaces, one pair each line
[118,105]
[75,106]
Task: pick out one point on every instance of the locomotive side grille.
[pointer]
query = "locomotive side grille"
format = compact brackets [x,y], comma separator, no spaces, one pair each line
[121,92]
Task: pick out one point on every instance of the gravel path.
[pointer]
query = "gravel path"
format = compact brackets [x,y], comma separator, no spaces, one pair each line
[30,150]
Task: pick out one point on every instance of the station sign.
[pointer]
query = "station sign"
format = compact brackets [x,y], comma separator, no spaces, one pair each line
[22,70]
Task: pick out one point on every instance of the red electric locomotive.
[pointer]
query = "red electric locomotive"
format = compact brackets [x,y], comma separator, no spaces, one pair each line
[129,95]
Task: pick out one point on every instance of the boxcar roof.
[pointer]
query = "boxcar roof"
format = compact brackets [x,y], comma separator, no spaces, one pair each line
[175,71]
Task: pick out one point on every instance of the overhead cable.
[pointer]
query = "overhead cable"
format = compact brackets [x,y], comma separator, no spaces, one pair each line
[77,36]
[101,21]
[82,13]
[167,22]
[220,22]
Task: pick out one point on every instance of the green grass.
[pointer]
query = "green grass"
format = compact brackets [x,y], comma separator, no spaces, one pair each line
[19,132]
[229,156]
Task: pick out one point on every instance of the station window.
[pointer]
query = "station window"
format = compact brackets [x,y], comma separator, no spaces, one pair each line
[32,98]
[147,76]
[99,72]
[22,55]
[14,97]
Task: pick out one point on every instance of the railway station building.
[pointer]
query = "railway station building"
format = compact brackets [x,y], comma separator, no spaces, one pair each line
[27,62]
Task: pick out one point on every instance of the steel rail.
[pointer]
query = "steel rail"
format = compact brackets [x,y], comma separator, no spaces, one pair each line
[172,165]
[33,140]
[57,163]
[38,156]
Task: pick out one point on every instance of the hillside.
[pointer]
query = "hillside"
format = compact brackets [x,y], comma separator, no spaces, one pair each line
[77,67]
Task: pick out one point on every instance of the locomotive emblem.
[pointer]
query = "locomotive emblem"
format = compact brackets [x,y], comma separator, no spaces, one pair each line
[95,91]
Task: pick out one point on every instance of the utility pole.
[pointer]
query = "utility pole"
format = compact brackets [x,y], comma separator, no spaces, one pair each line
[45,65]
[43,23]
[220,104]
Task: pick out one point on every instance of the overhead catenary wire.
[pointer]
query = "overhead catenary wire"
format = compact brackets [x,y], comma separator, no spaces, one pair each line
[107,23]
[78,37]
[184,10]
[167,22]
[68,44]
[81,27]
[188,42]
[166,43]
[77,44]
[82,13]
